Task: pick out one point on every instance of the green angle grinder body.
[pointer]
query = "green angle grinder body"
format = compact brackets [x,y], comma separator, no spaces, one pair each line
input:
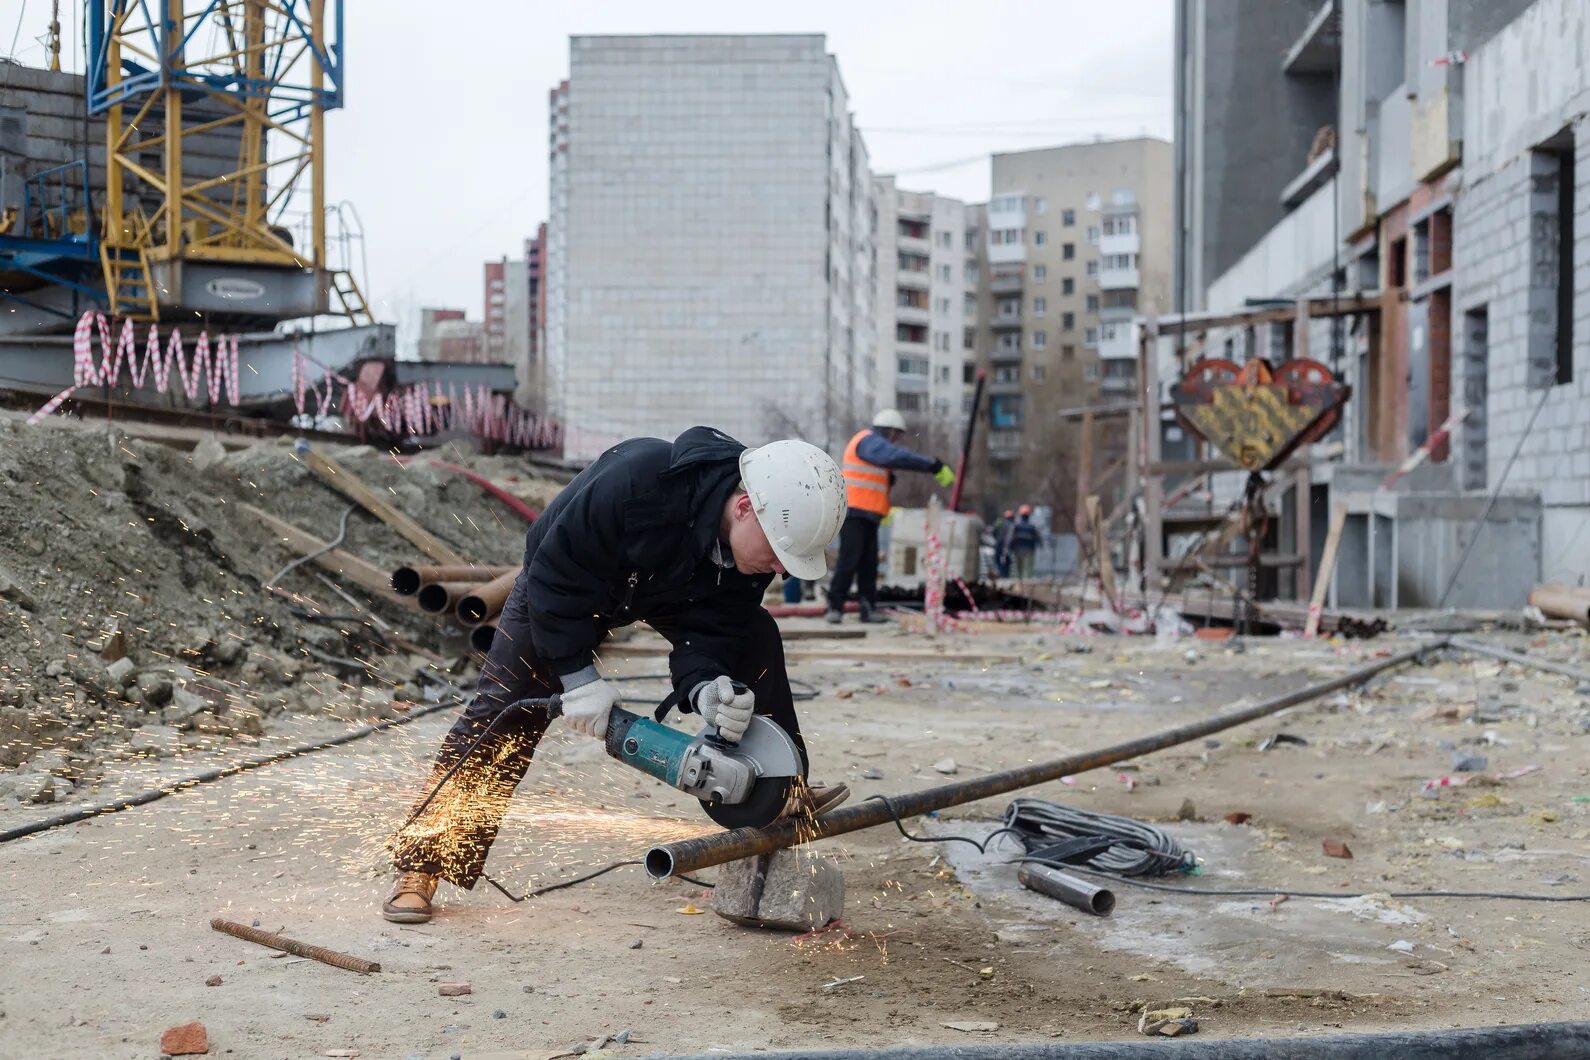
[740,785]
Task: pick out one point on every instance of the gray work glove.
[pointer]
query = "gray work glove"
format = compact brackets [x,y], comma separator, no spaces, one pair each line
[587,705]
[719,704]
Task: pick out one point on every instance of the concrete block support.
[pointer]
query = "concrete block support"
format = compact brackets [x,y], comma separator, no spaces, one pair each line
[787,890]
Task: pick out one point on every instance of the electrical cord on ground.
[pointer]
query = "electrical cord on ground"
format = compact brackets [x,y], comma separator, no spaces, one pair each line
[342,533]
[1228,892]
[153,794]
[604,870]
[1136,848]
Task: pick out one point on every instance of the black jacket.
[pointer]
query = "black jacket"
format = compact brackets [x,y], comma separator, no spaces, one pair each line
[630,539]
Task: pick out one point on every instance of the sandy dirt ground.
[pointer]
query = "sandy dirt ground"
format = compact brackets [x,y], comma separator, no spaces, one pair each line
[105,937]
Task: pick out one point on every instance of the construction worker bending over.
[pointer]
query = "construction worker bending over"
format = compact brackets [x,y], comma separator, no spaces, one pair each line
[1024,540]
[871,459]
[685,536]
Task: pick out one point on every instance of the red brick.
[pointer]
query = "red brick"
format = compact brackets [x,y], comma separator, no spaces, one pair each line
[453,989]
[190,1039]
[1335,848]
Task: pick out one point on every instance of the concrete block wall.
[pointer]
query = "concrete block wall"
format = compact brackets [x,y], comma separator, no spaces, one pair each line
[1526,86]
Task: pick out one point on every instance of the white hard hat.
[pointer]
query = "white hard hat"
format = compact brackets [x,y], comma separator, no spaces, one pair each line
[889,418]
[798,495]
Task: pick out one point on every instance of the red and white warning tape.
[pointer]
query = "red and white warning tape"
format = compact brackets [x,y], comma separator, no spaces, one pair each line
[1421,454]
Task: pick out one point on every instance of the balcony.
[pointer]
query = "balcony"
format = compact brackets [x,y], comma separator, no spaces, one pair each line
[1118,279]
[1007,283]
[911,384]
[1004,443]
[1002,354]
[1117,314]
[910,314]
[914,279]
[1005,321]
[997,385]
[1129,243]
[914,244]
[1116,343]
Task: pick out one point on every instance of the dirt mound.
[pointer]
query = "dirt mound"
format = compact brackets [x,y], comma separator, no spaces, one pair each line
[133,612]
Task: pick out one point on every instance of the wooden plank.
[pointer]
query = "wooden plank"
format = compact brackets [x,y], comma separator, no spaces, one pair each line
[349,567]
[822,634]
[1327,565]
[648,647]
[355,488]
[1101,552]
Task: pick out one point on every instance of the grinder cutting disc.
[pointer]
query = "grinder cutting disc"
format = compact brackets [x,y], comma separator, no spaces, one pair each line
[777,761]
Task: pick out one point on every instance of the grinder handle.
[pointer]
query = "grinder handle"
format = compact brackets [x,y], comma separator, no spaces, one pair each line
[710,732]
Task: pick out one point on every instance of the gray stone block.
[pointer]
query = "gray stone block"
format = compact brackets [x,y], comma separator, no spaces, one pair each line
[787,890]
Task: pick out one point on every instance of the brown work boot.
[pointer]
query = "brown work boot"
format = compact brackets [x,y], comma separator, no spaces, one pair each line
[814,800]
[410,900]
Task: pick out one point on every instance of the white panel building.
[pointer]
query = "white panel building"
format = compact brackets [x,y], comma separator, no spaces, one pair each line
[710,243]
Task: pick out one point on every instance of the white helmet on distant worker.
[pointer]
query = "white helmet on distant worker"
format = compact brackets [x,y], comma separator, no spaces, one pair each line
[798,495]
[889,418]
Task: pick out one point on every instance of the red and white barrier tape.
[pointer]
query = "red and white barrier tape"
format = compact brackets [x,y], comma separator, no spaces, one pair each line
[1421,454]
[217,371]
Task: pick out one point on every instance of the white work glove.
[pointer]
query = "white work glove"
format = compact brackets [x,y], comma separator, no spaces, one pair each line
[586,707]
[719,704]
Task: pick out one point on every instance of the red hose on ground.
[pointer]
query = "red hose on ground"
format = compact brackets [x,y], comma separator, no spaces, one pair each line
[492,488]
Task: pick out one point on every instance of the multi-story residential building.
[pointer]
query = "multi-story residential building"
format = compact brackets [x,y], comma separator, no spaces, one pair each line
[446,335]
[710,242]
[531,391]
[495,308]
[1441,173]
[1077,243]
[929,250]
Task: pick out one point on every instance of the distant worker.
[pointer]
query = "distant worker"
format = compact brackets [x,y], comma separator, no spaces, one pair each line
[1002,528]
[871,459]
[1024,541]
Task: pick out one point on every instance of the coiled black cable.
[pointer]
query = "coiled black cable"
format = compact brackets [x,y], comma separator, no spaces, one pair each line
[1137,849]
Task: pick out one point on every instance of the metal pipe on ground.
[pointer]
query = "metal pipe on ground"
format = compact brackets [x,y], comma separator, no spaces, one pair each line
[1518,658]
[440,597]
[690,855]
[481,637]
[1528,1041]
[1072,890]
[483,604]
[406,581]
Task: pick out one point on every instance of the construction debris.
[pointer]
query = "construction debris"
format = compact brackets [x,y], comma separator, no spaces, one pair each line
[293,946]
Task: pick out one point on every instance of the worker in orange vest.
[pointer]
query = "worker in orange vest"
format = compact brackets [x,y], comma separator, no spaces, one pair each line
[871,459]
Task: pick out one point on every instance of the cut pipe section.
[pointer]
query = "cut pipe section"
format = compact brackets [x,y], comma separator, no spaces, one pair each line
[441,597]
[484,603]
[1072,890]
[703,852]
[406,581]
[482,636]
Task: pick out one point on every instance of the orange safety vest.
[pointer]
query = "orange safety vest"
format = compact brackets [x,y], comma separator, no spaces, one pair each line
[866,485]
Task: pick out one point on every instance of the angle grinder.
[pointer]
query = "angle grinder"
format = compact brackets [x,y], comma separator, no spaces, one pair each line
[740,785]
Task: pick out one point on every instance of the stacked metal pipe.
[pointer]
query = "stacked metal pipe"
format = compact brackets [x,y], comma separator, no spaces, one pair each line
[472,595]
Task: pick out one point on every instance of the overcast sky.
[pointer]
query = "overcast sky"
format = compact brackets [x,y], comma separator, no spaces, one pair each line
[441,145]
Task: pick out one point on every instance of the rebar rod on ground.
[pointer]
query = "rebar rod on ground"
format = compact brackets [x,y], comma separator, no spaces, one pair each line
[336,959]
[1530,1041]
[1518,658]
[689,855]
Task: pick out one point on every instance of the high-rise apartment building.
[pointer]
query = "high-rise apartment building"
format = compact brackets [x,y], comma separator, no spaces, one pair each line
[710,242]
[530,374]
[929,251]
[1077,243]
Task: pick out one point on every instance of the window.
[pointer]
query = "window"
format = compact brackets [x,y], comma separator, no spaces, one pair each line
[910,402]
[970,274]
[1000,237]
[1068,353]
[1040,340]
[1120,226]
[1093,234]
[971,238]
[1093,200]
[1040,273]
[1068,251]
[944,373]
[946,274]
[907,298]
[1068,286]
[1093,303]
[1007,373]
[1068,217]
[911,366]
[1004,204]
[941,306]
[1040,239]
[941,340]
[1004,410]
[1093,268]
[910,333]
[968,372]
[969,340]
[910,229]
[1120,261]
[1090,372]
[1090,338]
[1010,342]
[1068,321]
[1040,205]
[1549,333]
[1039,306]
[946,240]
[913,262]
[1010,307]
[966,404]
[1039,373]
[1120,299]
